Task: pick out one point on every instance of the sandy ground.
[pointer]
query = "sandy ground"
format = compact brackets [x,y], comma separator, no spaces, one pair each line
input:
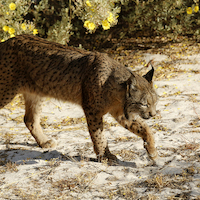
[71,171]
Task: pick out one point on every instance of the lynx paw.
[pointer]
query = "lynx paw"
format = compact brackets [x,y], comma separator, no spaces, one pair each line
[108,158]
[151,151]
[153,156]
[159,162]
[111,157]
[49,144]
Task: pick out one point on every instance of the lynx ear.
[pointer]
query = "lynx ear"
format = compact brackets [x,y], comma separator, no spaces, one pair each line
[130,85]
[149,75]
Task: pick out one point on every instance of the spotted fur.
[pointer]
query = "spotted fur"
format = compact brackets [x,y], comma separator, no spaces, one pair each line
[38,68]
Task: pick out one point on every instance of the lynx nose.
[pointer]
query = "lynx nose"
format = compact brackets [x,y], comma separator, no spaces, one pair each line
[152,113]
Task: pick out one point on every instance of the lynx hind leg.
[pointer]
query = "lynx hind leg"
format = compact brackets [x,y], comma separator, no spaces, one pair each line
[33,106]
[95,126]
[140,128]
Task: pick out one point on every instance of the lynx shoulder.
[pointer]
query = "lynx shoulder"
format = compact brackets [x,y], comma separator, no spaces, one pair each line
[38,68]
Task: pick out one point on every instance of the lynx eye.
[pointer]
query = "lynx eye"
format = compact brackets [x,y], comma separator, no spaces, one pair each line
[144,105]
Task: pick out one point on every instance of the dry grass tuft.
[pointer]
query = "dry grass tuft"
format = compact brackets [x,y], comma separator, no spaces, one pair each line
[125,191]
[127,155]
[181,196]
[8,166]
[54,162]
[152,197]
[65,184]
[80,183]
[7,137]
[26,195]
[190,146]
[11,166]
[158,181]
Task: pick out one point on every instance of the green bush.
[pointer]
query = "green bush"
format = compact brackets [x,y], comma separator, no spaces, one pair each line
[158,17]
[95,13]
[11,19]
[59,20]
[53,19]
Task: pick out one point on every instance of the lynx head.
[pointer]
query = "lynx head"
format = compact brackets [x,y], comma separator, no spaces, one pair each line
[141,98]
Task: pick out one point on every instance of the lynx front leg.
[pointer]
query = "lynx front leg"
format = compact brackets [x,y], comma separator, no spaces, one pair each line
[95,126]
[32,120]
[140,128]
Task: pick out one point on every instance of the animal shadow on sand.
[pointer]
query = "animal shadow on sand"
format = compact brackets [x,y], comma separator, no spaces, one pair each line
[20,155]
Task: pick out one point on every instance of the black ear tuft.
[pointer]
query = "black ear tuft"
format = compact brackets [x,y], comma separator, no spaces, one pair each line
[149,75]
[128,86]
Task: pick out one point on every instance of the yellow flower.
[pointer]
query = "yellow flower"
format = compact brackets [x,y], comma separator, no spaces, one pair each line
[5,28]
[189,10]
[12,35]
[196,8]
[30,27]
[88,3]
[23,26]
[35,31]
[7,13]
[86,23]
[12,6]
[11,31]
[2,40]
[89,25]
[110,18]
[105,25]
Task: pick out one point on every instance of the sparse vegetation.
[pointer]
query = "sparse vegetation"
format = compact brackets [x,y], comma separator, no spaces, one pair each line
[125,191]
[8,166]
[60,20]
[127,155]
